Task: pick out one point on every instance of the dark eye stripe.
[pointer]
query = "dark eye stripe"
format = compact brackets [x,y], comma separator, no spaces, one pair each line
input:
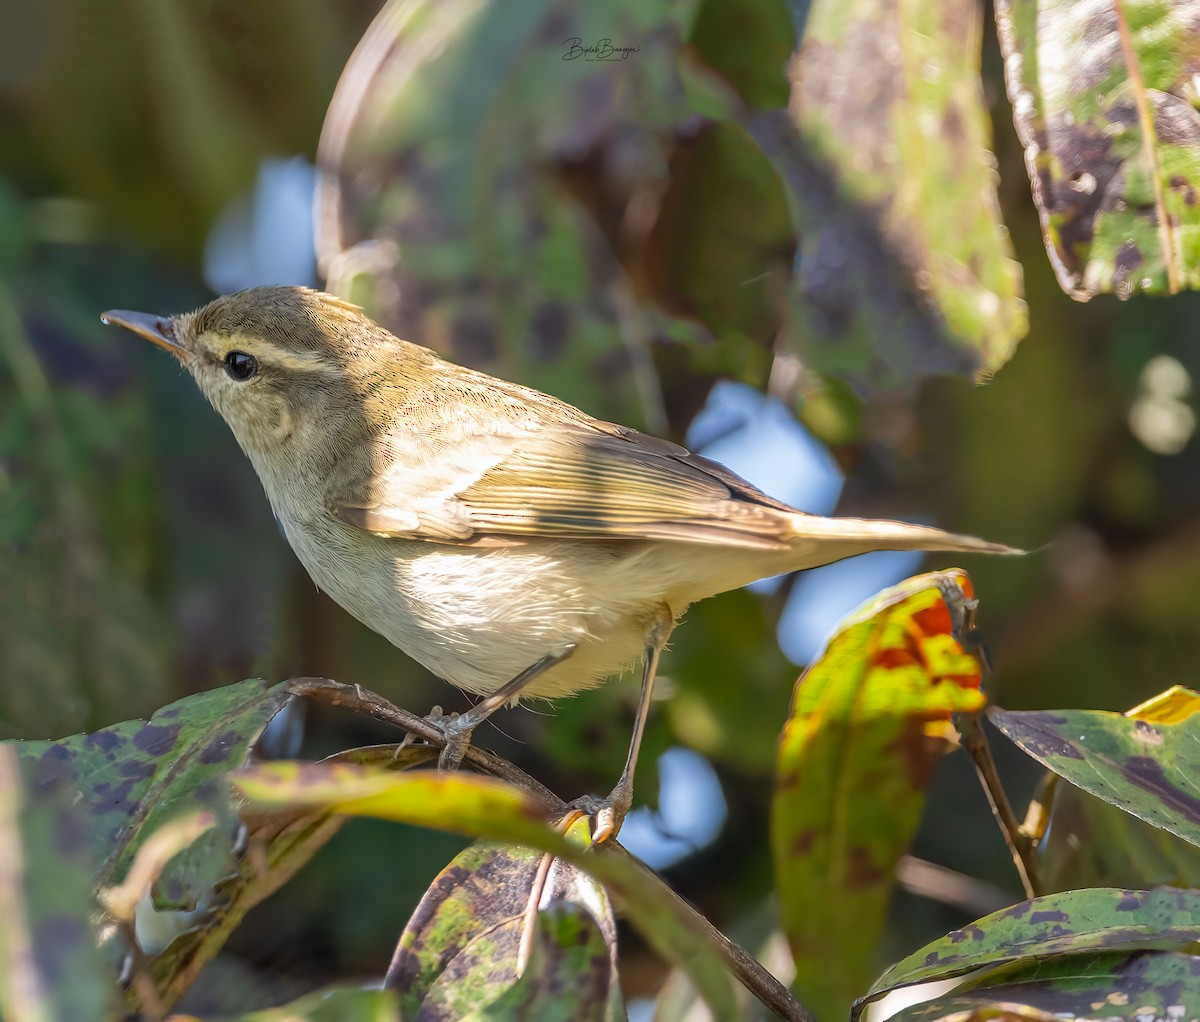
[241,366]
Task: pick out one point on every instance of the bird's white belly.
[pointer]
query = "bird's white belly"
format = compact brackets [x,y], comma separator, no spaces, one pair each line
[478,617]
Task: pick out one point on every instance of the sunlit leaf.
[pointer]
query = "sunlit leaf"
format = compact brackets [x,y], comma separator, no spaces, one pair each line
[492,938]
[955,1010]
[346,1004]
[905,267]
[1094,919]
[487,808]
[1104,97]
[1145,762]
[869,723]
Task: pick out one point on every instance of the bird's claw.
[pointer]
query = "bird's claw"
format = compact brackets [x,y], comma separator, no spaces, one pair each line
[457,731]
[606,814]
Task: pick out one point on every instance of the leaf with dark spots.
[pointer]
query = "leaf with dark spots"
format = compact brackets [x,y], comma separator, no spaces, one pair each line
[1066,924]
[114,799]
[1148,774]
[511,196]
[1144,762]
[971,932]
[50,959]
[107,741]
[462,803]
[156,740]
[1039,731]
[1130,903]
[218,750]
[460,948]
[1102,96]
[133,777]
[1130,986]
[865,734]
[1019,910]
[56,764]
[137,768]
[570,972]
[905,268]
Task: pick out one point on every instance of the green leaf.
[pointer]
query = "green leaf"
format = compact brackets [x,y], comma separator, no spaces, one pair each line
[463,945]
[967,1010]
[345,1004]
[50,965]
[1118,986]
[748,44]
[905,268]
[721,249]
[482,807]
[465,133]
[134,779]
[1092,843]
[1103,918]
[135,776]
[1104,101]
[867,727]
[1145,762]
[569,974]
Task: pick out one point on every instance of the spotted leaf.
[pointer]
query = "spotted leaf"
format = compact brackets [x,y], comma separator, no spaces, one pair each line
[869,722]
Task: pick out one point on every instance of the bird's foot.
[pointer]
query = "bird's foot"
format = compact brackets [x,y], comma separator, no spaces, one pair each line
[607,814]
[456,729]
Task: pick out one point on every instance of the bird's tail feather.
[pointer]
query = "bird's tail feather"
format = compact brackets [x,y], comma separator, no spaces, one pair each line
[851,536]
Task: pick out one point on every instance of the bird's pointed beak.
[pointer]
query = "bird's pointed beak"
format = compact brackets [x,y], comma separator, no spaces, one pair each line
[159,329]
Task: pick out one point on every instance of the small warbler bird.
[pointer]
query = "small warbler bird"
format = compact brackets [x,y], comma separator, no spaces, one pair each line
[508,541]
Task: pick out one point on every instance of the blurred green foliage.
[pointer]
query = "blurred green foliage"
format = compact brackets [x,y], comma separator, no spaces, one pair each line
[139,562]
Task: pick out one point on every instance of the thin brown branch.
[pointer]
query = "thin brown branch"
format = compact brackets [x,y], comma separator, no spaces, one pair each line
[742,965]
[1019,844]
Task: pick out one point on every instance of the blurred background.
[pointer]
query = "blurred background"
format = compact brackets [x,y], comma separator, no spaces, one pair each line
[603,230]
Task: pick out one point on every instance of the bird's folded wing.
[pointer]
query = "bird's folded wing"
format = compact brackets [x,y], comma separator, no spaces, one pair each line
[577,481]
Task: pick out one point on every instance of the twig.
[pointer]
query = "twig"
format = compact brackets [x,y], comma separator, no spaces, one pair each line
[355,697]
[742,965]
[1019,844]
[974,740]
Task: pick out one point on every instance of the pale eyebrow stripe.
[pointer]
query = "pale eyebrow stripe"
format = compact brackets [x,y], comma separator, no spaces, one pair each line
[302,361]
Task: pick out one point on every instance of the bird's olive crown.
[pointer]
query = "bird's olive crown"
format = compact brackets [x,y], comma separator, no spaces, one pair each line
[276,360]
[292,338]
[296,320]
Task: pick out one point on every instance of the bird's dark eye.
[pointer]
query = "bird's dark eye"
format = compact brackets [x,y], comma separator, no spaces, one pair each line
[240,366]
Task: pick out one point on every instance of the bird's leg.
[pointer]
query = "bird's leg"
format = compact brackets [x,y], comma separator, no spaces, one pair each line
[458,729]
[609,814]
